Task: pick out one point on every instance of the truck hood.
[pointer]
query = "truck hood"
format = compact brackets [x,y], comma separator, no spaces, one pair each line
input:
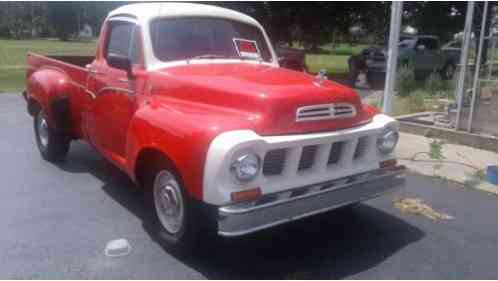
[269,96]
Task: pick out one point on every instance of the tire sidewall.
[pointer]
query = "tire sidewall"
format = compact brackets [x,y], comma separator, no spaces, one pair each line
[171,238]
[43,149]
[57,144]
[184,240]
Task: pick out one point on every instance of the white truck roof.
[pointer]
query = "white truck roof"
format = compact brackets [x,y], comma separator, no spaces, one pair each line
[144,12]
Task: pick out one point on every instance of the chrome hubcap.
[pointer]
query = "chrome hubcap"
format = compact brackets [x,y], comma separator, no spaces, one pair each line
[43,130]
[168,201]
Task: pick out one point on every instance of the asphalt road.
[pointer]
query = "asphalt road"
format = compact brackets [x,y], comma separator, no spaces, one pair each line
[56,220]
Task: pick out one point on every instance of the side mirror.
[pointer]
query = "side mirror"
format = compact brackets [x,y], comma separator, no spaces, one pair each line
[421,47]
[120,62]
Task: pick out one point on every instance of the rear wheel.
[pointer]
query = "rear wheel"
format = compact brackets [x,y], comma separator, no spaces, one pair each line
[53,146]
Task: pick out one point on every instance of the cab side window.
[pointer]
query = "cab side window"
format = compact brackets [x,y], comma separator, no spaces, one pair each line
[429,43]
[123,40]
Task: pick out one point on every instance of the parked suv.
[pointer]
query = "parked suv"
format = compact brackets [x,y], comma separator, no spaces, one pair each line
[423,52]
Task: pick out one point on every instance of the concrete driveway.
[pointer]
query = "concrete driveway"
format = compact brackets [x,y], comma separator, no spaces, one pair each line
[56,220]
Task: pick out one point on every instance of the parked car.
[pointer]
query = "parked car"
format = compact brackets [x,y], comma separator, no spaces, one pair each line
[291,58]
[190,102]
[423,52]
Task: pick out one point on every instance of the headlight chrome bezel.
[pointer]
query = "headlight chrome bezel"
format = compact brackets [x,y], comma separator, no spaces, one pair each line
[237,167]
[387,140]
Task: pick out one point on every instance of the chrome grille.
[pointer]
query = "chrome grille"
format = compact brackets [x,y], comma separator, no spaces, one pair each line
[325,111]
[274,162]
[324,155]
[361,147]
[307,157]
[335,153]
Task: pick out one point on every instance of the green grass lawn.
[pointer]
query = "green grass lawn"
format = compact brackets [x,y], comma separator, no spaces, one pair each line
[11,80]
[336,61]
[13,57]
[332,63]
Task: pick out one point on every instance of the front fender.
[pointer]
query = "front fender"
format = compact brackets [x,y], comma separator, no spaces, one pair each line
[181,132]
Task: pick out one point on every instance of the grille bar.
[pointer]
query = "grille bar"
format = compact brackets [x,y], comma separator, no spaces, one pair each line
[325,111]
[335,153]
[361,148]
[307,157]
[274,162]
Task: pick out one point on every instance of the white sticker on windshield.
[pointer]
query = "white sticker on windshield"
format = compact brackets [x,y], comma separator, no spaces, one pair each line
[247,48]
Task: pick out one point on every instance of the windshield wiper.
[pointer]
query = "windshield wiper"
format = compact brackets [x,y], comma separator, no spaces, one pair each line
[214,56]
[211,56]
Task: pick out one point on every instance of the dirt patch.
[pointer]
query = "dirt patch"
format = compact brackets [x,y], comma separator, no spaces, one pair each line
[418,207]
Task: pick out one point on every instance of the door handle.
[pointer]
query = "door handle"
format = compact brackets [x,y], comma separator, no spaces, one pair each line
[94,71]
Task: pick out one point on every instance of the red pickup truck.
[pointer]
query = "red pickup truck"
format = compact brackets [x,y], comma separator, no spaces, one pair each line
[190,102]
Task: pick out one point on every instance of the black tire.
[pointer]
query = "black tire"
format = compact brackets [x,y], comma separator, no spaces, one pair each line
[448,71]
[53,145]
[197,223]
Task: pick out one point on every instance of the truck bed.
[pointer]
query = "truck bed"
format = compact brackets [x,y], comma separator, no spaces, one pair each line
[67,70]
[71,66]
[35,61]
[80,61]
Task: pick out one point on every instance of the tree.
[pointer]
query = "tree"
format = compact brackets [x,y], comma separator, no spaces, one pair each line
[15,18]
[62,16]
[442,19]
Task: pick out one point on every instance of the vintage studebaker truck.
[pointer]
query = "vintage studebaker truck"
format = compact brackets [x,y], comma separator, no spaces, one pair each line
[190,102]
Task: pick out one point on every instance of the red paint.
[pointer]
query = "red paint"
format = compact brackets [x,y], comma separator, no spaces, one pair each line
[180,110]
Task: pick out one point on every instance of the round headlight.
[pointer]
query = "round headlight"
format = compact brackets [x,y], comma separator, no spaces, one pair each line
[387,140]
[246,167]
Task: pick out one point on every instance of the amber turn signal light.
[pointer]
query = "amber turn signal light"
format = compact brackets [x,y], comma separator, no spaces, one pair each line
[388,164]
[246,195]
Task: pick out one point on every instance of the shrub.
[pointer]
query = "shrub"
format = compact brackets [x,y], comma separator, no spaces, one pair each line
[405,80]
[415,101]
[434,85]
[449,89]
[4,31]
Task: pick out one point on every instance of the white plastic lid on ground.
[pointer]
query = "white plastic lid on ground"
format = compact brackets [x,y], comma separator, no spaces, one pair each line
[117,248]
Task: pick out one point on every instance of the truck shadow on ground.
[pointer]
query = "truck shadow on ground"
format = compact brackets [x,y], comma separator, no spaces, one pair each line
[333,245]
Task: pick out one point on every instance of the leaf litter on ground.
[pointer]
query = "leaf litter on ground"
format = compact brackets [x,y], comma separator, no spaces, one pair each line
[418,207]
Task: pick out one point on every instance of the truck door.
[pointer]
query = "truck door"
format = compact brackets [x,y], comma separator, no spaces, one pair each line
[428,57]
[115,91]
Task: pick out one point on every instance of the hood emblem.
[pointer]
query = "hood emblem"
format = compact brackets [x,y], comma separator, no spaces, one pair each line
[320,77]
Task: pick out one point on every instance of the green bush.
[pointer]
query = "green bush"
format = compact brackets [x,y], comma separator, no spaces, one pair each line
[434,85]
[4,31]
[449,89]
[405,80]
[416,102]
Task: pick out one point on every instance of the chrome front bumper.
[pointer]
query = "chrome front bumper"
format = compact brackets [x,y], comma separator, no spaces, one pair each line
[272,210]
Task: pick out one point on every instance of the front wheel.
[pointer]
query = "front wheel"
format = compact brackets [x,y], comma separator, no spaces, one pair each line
[449,71]
[53,146]
[177,220]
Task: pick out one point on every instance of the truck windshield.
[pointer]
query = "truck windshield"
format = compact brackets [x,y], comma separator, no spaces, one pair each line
[207,38]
